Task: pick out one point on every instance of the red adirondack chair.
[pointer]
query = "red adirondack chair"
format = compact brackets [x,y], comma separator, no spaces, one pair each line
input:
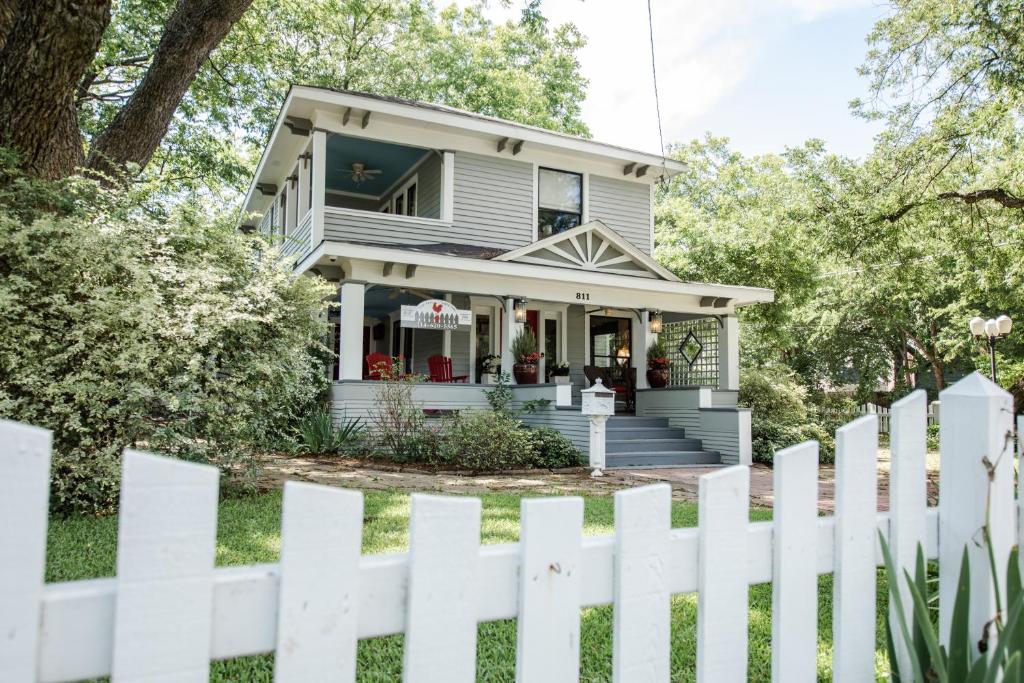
[441,370]
[377,364]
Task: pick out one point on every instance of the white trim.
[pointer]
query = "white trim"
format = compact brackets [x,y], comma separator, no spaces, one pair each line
[446,335]
[542,276]
[536,201]
[448,187]
[319,170]
[340,211]
[357,195]
[606,234]
[650,206]
[605,313]
[585,198]
[403,192]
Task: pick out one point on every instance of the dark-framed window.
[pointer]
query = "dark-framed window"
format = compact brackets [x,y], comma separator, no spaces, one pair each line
[559,201]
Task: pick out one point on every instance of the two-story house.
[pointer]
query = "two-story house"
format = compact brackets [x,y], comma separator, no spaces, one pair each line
[413,207]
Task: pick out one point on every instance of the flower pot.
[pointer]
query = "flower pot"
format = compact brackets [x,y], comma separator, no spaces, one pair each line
[561,379]
[525,373]
[489,378]
[657,378]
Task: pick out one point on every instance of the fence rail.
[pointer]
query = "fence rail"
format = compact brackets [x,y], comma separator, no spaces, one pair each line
[168,611]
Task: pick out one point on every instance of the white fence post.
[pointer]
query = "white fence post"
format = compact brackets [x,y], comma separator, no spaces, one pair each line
[321,533]
[853,603]
[642,617]
[166,539]
[444,564]
[24,488]
[795,564]
[976,425]
[908,501]
[723,511]
[550,551]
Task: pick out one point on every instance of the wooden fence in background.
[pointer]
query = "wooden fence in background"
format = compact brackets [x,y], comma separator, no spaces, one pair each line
[169,611]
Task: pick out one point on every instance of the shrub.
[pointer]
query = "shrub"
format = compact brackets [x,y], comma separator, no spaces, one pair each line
[484,441]
[552,449]
[319,435]
[524,347]
[657,355]
[400,429]
[173,333]
[782,415]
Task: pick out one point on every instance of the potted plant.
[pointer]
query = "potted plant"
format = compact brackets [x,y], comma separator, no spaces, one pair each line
[490,366]
[524,351]
[657,365]
[559,373]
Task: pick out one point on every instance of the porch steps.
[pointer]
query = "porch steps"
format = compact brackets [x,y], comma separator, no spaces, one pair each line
[651,442]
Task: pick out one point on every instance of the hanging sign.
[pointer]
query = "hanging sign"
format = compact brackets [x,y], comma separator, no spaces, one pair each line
[435,314]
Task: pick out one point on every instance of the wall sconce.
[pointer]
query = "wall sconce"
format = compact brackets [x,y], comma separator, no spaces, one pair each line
[520,310]
[655,322]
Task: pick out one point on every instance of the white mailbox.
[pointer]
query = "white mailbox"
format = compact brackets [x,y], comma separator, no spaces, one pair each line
[598,405]
[598,400]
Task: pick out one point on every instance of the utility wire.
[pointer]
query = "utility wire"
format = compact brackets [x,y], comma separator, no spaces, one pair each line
[654,75]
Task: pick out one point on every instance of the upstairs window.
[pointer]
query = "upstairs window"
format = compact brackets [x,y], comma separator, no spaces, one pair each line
[559,201]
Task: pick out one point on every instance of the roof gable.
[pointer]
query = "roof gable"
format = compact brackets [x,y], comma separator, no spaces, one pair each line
[592,246]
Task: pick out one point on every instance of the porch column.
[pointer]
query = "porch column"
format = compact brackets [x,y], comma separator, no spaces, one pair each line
[318,174]
[642,335]
[509,330]
[353,295]
[729,353]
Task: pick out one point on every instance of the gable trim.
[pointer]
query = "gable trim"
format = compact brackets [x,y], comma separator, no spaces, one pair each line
[589,259]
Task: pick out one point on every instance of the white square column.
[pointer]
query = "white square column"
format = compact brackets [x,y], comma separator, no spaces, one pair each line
[729,353]
[350,359]
[641,332]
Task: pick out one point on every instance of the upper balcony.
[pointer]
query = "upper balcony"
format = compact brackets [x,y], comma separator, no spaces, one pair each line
[376,171]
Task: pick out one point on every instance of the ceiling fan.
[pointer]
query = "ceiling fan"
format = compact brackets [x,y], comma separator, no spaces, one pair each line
[360,172]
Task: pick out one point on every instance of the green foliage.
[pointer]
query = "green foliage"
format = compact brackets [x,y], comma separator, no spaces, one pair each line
[500,397]
[657,354]
[319,435]
[175,335]
[399,425]
[524,346]
[782,414]
[523,70]
[965,657]
[485,441]
[552,449]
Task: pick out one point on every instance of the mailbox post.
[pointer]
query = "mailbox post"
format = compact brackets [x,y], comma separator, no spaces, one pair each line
[598,405]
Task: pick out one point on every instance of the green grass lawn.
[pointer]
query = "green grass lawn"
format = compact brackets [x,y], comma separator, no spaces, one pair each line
[249,532]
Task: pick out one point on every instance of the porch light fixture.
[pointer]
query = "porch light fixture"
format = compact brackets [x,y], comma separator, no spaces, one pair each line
[990,330]
[520,310]
[655,322]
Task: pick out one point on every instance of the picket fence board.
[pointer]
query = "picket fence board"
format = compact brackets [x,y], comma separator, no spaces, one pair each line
[1020,492]
[794,564]
[548,624]
[24,492]
[166,541]
[856,501]
[321,537]
[908,497]
[444,560]
[723,511]
[642,620]
[982,428]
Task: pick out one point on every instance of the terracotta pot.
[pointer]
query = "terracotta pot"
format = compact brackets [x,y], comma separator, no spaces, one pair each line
[657,378]
[525,373]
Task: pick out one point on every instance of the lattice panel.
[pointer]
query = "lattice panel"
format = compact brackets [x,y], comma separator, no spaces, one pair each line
[699,342]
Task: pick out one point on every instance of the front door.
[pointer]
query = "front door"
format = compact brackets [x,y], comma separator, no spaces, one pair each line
[611,345]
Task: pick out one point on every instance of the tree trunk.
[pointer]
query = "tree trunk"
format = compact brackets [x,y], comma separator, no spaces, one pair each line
[193,30]
[49,47]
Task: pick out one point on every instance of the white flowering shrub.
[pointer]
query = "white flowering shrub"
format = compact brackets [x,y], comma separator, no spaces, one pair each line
[173,334]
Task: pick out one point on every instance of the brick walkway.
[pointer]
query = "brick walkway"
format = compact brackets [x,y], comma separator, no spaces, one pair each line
[357,474]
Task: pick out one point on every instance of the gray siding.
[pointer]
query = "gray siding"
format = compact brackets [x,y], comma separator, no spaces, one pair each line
[381,228]
[460,340]
[297,243]
[425,343]
[572,423]
[576,331]
[428,189]
[493,204]
[347,202]
[623,206]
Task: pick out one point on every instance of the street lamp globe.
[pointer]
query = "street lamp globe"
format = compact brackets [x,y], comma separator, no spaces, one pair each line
[1005,324]
[991,328]
[977,326]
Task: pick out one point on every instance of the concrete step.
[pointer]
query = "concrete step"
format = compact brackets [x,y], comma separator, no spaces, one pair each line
[632,421]
[662,459]
[626,433]
[651,445]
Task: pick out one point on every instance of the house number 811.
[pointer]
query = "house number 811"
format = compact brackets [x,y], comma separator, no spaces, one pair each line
[583,296]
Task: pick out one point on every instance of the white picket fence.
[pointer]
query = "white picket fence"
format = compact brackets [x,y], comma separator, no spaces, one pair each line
[884,415]
[168,611]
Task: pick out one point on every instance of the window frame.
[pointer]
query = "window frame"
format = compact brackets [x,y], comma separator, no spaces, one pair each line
[402,193]
[537,204]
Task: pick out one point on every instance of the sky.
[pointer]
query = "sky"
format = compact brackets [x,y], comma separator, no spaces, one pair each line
[765,73]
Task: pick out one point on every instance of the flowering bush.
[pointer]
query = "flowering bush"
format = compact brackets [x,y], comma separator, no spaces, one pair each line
[560,370]
[491,364]
[524,348]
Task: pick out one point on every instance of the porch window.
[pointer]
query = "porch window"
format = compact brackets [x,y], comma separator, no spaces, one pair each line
[559,201]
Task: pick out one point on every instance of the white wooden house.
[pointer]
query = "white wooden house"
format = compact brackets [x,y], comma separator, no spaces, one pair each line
[403,202]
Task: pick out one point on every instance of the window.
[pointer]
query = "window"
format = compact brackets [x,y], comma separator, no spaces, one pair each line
[403,202]
[559,201]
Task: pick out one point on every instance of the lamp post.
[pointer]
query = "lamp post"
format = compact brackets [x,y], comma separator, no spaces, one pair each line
[990,330]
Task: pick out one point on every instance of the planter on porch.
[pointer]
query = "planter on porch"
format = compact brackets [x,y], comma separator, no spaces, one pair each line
[657,378]
[525,373]
[561,379]
[657,364]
